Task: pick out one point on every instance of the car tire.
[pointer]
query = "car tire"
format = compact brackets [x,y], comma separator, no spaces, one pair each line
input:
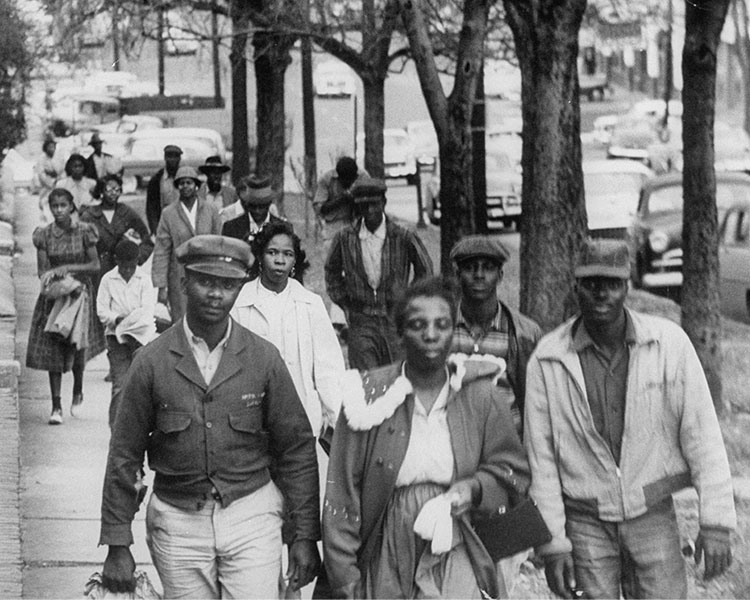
[518,221]
[637,275]
[412,179]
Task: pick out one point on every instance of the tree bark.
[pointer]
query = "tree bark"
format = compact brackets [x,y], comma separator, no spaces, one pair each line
[373,84]
[451,115]
[238,60]
[554,213]
[700,237]
[271,61]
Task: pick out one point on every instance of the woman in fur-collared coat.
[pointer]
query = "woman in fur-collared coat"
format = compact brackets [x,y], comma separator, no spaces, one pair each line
[418,444]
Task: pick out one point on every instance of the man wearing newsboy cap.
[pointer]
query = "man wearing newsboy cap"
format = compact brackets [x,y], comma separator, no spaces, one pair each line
[618,418]
[368,264]
[161,191]
[216,410]
[180,221]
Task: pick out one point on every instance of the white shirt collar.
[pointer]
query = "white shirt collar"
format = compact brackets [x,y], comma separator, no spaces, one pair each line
[194,340]
[365,233]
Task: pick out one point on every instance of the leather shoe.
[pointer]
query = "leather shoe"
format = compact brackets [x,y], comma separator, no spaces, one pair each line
[75,407]
[56,417]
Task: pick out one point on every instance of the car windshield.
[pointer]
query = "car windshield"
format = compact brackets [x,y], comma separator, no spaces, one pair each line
[669,198]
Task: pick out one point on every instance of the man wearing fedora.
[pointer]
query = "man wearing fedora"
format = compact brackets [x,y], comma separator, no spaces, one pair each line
[370,262]
[256,197]
[222,195]
[100,163]
[216,410]
[618,418]
[161,190]
[180,221]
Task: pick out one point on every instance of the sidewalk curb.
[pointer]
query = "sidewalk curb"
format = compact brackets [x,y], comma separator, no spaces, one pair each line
[11,565]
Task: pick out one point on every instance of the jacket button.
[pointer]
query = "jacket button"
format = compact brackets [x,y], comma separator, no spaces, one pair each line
[391,429]
[379,461]
[209,425]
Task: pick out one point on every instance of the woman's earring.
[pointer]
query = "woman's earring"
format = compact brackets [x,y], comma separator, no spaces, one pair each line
[292,272]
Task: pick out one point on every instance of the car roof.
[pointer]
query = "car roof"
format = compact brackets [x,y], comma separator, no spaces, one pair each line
[616,165]
[675,178]
[176,132]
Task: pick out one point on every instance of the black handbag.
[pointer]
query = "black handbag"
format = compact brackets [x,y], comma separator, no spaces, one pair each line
[517,528]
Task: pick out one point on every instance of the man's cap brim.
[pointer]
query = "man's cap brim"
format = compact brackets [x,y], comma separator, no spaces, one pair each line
[602,271]
[218,268]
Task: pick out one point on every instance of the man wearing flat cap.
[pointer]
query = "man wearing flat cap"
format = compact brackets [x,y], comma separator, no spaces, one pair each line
[216,410]
[222,195]
[99,163]
[161,191]
[368,264]
[180,221]
[618,418]
[257,197]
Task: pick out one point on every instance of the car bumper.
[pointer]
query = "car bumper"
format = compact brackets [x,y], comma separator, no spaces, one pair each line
[402,170]
[631,153]
[658,280]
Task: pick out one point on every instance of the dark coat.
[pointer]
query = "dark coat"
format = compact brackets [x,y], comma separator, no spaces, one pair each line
[239,227]
[364,465]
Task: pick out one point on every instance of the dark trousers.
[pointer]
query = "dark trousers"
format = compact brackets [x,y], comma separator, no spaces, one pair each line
[120,356]
[372,341]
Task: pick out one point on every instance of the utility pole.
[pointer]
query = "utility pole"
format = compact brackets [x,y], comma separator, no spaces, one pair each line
[669,66]
[215,54]
[116,35]
[160,49]
[308,113]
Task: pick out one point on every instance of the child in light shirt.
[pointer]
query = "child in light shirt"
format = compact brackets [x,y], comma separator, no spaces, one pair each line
[125,305]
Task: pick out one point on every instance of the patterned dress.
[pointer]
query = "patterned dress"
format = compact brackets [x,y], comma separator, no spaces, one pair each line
[46,351]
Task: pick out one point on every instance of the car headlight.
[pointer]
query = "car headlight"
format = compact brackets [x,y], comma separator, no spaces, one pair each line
[658,240]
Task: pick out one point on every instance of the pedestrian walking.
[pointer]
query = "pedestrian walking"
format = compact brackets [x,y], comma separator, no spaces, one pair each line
[47,170]
[178,223]
[334,210]
[370,262]
[257,198]
[487,327]
[99,163]
[80,186]
[161,191]
[115,221]
[618,418]
[216,409]
[222,195]
[416,448]
[66,258]
[125,305]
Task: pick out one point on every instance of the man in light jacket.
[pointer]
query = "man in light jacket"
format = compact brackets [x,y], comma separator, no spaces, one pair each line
[618,417]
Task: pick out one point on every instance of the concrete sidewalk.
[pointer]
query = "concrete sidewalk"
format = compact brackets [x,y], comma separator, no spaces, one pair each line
[62,468]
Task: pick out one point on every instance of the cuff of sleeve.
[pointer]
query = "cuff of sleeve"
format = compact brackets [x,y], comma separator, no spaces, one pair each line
[116,535]
[492,494]
[560,545]
[720,534]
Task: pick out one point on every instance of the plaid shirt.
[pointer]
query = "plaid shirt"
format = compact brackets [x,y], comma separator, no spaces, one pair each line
[495,341]
[346,280]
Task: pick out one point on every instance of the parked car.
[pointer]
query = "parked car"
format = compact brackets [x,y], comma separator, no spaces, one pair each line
[503,193]
[116,134]
[612,188]
[734,262]
[399,155]
[144,153]
[82,111]
[634,135]
[333,78]
[424,138]
[731,149]
[657,227]
[594,86]
[507,137]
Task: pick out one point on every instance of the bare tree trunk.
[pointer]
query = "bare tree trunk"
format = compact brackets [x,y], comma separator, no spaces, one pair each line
[700,238]
[451,116]
[238,60]
[554,214]
[271,61]
[742,52]
[374,91]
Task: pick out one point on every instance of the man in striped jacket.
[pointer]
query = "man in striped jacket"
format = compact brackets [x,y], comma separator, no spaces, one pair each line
[367,264]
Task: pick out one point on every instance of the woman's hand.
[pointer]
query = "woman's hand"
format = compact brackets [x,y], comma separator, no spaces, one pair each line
[54,273]
[463,495]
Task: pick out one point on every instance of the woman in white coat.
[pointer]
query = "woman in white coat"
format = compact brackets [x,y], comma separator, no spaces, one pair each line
[276,306]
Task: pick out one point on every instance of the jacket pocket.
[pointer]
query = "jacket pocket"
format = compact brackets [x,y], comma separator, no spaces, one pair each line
[172,422]
[247,431]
